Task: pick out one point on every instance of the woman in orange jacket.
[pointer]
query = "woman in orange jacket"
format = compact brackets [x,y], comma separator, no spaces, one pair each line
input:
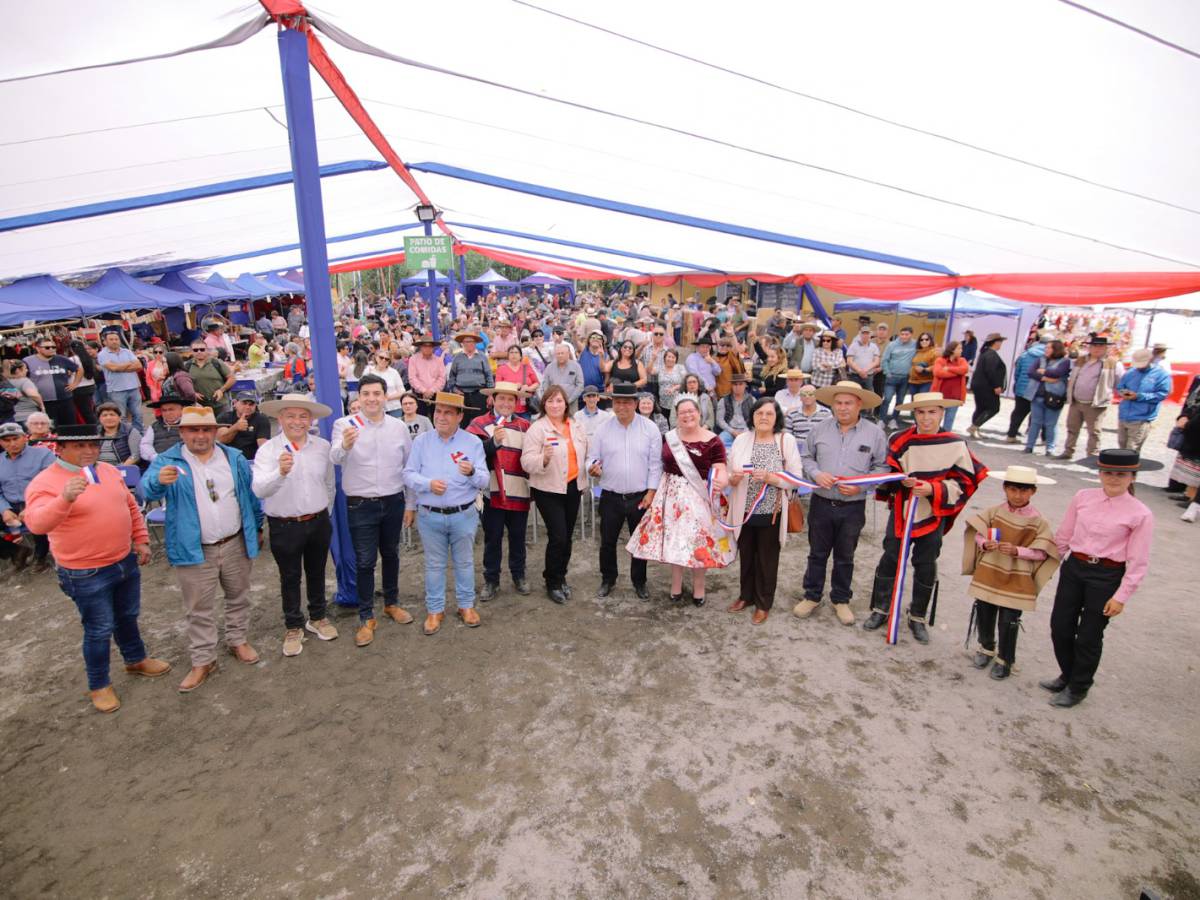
[950,378]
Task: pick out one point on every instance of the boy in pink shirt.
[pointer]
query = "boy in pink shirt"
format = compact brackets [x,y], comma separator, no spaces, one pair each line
[98,539]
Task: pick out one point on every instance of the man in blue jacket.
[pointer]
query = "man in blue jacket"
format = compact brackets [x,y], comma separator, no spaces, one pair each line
[1025,364]
[1142,390]
[895,364]
[212,534]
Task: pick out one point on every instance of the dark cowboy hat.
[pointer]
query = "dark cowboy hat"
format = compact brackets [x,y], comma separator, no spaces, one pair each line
[704,339]
[77,433]
[168,398]
[1117,460]
[622,391]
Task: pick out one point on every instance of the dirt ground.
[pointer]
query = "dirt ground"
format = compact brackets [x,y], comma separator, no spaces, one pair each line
[612,748]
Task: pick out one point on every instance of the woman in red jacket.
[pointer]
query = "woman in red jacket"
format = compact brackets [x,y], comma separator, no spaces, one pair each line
[950,378]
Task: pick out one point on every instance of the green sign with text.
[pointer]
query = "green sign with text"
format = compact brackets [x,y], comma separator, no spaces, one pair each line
[429,252]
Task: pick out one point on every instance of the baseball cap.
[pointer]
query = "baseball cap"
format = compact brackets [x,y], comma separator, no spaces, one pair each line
[246,395]
[11,429]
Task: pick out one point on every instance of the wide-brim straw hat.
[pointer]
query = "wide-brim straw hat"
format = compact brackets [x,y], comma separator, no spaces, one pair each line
[795,373]
[929,398]
[1022,475]
[426,339]
[466,336]
[273,408]
[869,399]
[457,401]
[503,387]
[197,417]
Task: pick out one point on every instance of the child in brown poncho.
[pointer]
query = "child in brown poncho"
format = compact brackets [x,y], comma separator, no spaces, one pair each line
[1010,551]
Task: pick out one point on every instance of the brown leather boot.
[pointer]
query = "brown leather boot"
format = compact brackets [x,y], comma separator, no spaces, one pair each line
[398,614]
[149,667]
[196,677]
[469,617]
[433,622]
[365,633]
[105,700]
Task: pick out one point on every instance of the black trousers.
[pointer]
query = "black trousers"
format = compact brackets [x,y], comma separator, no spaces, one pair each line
[559,512]
[616,512]
[1077,623]
[758,552]
[833,527]
[474,401]
[925,552]
[84,399]
[61,412]
[301,547]
[495,523]
[987,404]
[1021,408]
[987,615]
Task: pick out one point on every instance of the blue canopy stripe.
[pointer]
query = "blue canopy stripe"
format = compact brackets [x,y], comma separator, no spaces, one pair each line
[537,190]
[108,207]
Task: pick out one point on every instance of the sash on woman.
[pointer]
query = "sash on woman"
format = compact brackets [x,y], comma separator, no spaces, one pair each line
[681,526]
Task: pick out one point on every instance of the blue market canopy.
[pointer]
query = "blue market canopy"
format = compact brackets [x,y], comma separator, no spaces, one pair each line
[970,303]
[177,281]
[280,284]
[422,279]
[543,278]
[220,281]
[130,293]
[256,288]
[43,299]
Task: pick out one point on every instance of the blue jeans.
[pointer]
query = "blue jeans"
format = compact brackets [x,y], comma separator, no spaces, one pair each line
[948,418]
[130,404]
[727,438]
[893,390]
[444,539]
[375,525]
[109,600]
[1044,420]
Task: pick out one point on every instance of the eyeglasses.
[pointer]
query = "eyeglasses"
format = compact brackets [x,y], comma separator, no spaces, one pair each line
[826,340]
[212,490]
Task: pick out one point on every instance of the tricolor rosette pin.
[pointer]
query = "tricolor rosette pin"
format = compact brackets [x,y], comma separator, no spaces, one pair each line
[358,421]
[90,473]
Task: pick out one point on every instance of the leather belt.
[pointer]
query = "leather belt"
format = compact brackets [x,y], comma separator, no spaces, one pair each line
[630,496]
[224,540]
[447,510]
[1098,561]
[836,502]
[305,518]
[369,499]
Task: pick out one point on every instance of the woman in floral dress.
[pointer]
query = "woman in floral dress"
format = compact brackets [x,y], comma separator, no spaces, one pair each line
[681,527]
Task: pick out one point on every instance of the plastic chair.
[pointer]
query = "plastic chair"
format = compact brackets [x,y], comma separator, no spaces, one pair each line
[156,518]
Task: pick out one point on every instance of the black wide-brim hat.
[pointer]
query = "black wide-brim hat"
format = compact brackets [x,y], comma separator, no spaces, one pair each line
[71,433]
[168,398]
[622,391]
[1118,460]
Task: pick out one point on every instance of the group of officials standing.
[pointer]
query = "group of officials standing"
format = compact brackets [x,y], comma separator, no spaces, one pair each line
[218,502]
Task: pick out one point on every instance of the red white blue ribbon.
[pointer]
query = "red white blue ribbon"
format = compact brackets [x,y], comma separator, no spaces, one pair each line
[893,622]
[90,473]
[357,421]
[294,448]
[457,456]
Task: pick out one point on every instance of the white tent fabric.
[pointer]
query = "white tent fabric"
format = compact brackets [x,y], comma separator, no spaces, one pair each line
[1025,136]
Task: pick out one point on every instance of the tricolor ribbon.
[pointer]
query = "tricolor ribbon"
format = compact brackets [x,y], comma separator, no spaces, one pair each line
[893,622]
[457,456]
[993,534]
[90,473]
[358,421]
[294,448]
[552,441]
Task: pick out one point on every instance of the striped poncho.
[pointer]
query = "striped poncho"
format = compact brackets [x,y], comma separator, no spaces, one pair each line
[1005,580]
[942,459]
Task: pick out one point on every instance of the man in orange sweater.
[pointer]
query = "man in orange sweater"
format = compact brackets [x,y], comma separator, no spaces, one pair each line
[98,538]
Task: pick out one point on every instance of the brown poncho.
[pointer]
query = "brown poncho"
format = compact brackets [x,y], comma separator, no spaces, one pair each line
[1006,580]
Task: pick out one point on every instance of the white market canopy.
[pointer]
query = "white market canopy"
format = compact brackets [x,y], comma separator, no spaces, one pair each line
[871,138]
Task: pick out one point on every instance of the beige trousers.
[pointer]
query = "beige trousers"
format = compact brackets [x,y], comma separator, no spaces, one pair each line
[1079,414]
[1131,435]
[225,566]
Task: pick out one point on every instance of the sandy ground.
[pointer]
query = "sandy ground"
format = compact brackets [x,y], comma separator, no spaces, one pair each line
[611,748]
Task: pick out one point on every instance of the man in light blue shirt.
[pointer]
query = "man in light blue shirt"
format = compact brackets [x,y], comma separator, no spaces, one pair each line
[18,464]
[120,377]
[626,455]
[446,470]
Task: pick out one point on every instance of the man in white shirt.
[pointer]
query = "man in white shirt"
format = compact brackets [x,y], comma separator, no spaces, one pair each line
[381,366]
[789,398]
[293,476]
[372,448]
[213,539]
[627,458]
[863,358]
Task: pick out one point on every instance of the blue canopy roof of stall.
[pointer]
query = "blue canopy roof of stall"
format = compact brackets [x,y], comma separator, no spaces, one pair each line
[127,292]
[970,303]
[543,278]
[422,278]
[256,288]
[281,284]
[41,298]
[220,281]
[177,281]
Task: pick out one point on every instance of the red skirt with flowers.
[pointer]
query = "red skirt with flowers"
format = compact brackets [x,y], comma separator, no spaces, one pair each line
[679,528]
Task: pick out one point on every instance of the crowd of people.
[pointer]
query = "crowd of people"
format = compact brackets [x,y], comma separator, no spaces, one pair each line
[706,433]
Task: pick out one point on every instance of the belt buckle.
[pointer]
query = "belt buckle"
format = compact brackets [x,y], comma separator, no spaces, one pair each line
[1093,560]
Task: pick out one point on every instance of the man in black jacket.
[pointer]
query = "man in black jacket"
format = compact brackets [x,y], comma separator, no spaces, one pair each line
[987,384]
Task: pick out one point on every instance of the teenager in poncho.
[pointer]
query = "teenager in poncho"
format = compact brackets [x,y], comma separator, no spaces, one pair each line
[942,475]
[1009,549]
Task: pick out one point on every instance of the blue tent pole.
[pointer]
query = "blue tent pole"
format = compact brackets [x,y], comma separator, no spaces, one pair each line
[433,300]
[816,304]
[453,276]
[310,217]
[950,317]
[462,277]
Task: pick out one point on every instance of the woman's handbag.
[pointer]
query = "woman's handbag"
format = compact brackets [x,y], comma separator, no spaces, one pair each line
[1175,438]
[1054,401]
[795,509]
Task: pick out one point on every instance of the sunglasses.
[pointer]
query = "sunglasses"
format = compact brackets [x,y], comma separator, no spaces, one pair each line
[212,490]
[660,334]
[156,352]
[47,347]
[199,349]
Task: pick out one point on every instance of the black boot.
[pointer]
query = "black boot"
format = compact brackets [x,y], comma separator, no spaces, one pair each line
[1053,685]
[919,632]
[875,620]
[1067,698]
[984,616]
[1006,655]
